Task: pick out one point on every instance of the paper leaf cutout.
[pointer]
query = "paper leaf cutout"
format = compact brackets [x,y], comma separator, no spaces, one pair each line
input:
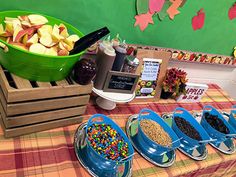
[142,6]
[163,13]
[143,20]
[198,20]
[156,5]
[173,9]
[232,12]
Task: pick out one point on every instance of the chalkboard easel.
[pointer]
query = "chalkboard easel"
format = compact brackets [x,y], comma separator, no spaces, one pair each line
[120,82]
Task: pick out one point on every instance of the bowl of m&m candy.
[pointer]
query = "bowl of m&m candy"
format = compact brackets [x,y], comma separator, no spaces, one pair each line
[108,145]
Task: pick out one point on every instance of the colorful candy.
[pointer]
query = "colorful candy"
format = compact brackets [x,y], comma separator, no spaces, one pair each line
[107,142]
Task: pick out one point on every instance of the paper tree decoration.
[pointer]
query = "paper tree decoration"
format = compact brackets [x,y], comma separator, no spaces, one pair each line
[198,20]
[146,9]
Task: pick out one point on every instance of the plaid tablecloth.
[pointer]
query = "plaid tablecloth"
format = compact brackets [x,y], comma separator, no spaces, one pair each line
[51,153]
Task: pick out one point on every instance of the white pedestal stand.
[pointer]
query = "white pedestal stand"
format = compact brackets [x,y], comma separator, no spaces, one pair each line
[108,100]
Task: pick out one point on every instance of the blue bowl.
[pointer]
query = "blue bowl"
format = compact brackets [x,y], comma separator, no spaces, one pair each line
[188,141]
[147,142]
[232,119]
[110,165]
[213,132]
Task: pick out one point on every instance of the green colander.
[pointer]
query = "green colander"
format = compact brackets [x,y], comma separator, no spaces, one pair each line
[32,66]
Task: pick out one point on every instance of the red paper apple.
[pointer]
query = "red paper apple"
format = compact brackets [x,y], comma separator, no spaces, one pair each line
[198,20]
[232,12]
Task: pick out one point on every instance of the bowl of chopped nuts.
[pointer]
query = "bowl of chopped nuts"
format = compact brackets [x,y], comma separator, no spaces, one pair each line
[155,134]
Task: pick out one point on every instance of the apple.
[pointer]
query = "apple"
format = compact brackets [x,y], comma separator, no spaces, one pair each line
[17,30]
[2,31]
[198,20]
[232,12]
[46,40]
[37,48]
[45,29]
[37,19]
[51,51]
[63,52]
[55,34]
[19,45]
[63,30]
[33,40]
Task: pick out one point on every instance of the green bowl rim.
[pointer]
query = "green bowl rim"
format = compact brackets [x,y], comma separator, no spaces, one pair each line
[42,55]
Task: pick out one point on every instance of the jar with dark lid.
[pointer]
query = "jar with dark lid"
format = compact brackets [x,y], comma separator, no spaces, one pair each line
[130,64]
[84,71]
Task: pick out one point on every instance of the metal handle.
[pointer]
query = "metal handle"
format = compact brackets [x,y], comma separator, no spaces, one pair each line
[4,47]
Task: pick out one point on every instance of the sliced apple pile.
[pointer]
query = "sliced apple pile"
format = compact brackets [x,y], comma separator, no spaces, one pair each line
[32,33]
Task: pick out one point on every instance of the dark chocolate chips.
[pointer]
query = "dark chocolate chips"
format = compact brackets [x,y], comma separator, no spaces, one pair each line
[216,123]
[187,128]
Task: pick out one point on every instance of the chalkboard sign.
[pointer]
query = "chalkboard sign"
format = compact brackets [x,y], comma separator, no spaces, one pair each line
[120,82]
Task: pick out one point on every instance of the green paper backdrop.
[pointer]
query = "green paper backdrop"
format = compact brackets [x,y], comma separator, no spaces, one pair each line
[217,36]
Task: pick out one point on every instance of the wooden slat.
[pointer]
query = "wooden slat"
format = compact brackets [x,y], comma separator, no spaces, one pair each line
[4,83]
[13,132]
[27,119]
[41,93]
[62,83]
[44,84]
[45,105]
[20,82]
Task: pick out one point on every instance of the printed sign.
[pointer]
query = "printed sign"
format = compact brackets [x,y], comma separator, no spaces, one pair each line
[149,75]
[194,92]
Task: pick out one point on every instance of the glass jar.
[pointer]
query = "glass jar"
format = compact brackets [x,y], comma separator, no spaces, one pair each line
[130,64]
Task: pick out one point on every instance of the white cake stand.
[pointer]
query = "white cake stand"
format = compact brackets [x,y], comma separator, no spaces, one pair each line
[108,100]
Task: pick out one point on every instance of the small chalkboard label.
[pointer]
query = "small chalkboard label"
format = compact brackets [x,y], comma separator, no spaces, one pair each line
[120,82]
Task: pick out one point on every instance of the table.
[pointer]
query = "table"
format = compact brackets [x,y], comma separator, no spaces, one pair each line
[51,153]
[108,100]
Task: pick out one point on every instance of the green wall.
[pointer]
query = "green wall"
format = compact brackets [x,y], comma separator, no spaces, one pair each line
[218,35]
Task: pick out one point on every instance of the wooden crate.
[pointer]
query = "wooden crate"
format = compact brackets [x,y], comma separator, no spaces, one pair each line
[28,106]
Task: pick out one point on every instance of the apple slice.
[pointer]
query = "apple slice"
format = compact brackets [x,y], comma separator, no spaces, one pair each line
[23,18]
[37,19]
[73,38]
[26,24]
[63,30]
[2,31]
[63,52]
[55,34]
[67,46]
[45,29]
[10,19]
[9,40]
[18,32]
[61,45]
[46,40]
[37,48]
[33,40]
[51,51]
[19,45]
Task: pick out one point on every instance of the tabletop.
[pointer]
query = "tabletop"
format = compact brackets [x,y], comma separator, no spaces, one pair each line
[51,153]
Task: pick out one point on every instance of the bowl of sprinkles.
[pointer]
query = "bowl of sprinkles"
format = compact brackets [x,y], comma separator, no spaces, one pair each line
[187,127]
[107,143]
[155,134]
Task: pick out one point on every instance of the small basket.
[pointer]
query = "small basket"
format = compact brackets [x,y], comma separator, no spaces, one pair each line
[147,142]
[213,132]
[232,119]
[97,158]
[183,113]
